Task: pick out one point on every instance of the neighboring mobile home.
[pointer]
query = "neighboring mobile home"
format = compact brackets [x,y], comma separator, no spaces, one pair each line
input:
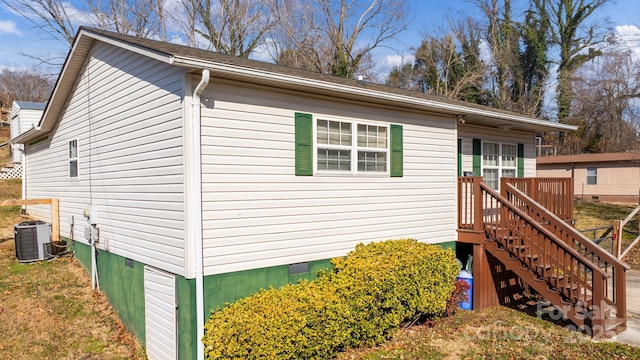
[203,177]
[613,177]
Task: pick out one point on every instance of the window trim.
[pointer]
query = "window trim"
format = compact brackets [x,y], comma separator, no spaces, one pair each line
[77,159]
[595,177]
[354,148]
[499,167]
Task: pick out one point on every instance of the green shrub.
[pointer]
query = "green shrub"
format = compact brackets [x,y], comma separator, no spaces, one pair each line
[389,282]
[366,296]
[300,321]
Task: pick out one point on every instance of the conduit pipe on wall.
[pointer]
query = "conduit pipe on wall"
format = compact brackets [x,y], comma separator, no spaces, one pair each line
[197,211]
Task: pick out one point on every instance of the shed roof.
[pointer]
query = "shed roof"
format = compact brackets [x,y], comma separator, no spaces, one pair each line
[262,73]
[30,105]
[589,158]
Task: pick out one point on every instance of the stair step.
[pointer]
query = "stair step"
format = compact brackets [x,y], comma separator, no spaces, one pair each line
[572,286]
[543,267]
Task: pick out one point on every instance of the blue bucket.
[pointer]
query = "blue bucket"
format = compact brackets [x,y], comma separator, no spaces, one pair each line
[468,278]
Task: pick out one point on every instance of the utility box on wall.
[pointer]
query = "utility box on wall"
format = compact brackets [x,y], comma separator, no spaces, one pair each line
[33,241]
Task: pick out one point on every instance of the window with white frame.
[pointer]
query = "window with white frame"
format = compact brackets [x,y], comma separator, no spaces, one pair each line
[73,159]
[351,147]
[592,176]
[498,160]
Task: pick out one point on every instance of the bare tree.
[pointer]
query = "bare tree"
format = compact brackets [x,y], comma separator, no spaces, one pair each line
[24,85]
[447,65]
[235,27]
[185,17]
[50,16]
[606,92]
[143,18]
[337,36]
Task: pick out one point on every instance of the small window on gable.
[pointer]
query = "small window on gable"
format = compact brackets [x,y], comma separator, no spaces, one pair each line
[592,176]
[73,159]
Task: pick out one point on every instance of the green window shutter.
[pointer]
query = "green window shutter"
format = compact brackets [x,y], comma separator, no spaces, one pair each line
[477,157]
[397,166]
[459,157]
[304,144]
[520,160]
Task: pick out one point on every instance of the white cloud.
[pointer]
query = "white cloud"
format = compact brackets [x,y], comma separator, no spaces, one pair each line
[628,37]
[628,34]
[9,27]
[386,64]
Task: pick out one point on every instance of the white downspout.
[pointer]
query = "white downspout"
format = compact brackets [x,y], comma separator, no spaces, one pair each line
[196,212]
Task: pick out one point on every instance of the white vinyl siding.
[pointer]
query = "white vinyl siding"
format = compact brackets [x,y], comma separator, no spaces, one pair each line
[126,115]
[468,133]
[257,213]
[161,325]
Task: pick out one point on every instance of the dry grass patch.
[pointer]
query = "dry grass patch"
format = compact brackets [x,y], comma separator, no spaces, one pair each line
[496,333]
[9,215]
[5,135]
[589,215]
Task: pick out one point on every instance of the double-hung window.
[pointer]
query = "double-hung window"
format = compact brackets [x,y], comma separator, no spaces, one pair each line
[351,147]
[498,160]
[592,176]
[73,159]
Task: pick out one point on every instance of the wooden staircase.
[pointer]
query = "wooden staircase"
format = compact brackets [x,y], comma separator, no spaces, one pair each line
[580,279]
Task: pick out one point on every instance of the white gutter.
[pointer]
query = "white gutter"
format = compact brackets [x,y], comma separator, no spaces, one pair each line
[196,212]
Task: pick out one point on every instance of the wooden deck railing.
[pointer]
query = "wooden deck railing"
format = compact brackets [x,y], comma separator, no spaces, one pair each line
[584,274]
[614,290]
[576,278]
[555,194]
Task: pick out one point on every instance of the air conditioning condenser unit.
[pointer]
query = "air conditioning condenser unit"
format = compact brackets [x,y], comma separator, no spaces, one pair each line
[33,241]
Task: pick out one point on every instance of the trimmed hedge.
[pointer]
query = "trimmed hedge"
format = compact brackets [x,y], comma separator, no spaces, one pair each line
[389,282]
[362,300]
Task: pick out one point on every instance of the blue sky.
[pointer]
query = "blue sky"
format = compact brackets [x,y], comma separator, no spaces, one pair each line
[18,36]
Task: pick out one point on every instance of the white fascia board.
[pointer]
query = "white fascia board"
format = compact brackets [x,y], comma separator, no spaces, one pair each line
[350,91]
[26,136]
[157,55]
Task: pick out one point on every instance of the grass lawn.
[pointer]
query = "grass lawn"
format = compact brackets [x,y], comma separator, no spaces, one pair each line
[589,215]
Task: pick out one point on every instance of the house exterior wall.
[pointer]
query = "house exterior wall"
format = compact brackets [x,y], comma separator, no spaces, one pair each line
[21,121]
[257,213]
[126,114]
[616,181]
[467,133]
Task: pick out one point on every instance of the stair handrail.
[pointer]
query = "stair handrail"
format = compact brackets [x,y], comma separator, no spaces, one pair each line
[548,233]
[583,240]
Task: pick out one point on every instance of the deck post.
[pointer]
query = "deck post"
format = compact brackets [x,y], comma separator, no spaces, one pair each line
[620,295]
[598,307]
[477,204]
[617,236]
